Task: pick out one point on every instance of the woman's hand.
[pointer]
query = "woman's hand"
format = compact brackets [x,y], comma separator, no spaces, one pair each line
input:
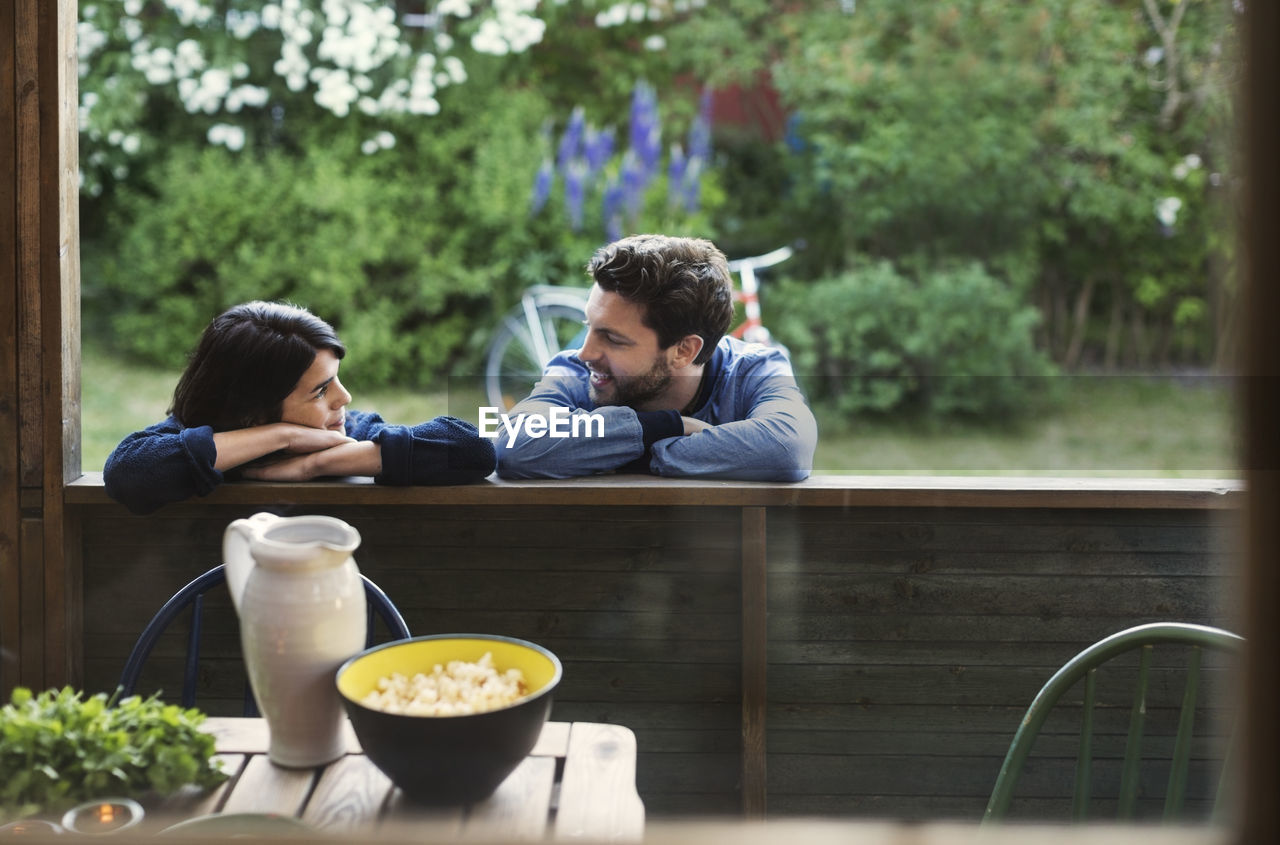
[246,444]
[349,458]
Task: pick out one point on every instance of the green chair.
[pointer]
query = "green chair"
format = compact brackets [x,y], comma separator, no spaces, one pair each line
[1084,666]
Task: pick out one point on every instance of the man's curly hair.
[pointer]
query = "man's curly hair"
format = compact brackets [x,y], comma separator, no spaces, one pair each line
[682,284]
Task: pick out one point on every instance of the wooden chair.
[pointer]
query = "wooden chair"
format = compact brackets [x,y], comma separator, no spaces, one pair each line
[1084,666]
[192,595]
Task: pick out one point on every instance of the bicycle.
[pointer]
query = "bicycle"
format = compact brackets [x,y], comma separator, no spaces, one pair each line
[550,318]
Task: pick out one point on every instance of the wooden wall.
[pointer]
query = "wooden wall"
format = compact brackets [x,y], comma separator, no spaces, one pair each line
[902,643]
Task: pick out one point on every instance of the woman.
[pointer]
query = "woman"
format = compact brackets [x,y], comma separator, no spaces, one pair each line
[261,399]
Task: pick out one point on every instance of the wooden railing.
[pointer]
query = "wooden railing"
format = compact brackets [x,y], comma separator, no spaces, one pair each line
[763,641]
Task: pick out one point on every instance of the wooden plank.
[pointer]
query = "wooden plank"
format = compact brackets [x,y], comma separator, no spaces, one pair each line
[520,808]
[426,824]
[1028,652]
[1057,634]
[186,804]
[1261,457]
[841,727]
[31,616]
[893,685]
[834,491]
[553,741]
[349,796]
[1067,595]
[264,787]
[239,735]
[28,89]
[597,797]
[926,535]
[60,332]
[10,510]
[808,559]
[755,659]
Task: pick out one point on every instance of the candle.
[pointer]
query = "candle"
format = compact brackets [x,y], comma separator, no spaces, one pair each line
[103,816]
[29,827]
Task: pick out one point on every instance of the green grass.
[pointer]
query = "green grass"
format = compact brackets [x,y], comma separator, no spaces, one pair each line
[1102,425]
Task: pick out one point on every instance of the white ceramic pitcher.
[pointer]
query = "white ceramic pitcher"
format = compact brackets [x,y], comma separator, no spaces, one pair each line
[302,613]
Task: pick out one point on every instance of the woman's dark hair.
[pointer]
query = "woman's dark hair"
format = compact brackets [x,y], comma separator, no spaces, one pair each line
[248,360]
[682,284]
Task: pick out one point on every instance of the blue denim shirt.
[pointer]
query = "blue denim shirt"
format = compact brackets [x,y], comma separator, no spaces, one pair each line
[762,428]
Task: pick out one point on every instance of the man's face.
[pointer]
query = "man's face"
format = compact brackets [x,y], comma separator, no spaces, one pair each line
[627,367]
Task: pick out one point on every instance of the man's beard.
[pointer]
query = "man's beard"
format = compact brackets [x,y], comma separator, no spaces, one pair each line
[633,391]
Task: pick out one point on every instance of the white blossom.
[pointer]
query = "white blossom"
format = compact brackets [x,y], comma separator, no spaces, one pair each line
[88,39]
[1167,209]
[655,43]
[190,12]
[187,58]
[335,91]
[228,135]
[457,8]
[246,95]
[454,67]
[242,24]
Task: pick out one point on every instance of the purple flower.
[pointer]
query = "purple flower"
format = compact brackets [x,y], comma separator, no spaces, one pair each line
[599,147]
[700,130]
[574,189]
[571,140]
[676,167]
[646,128]
[691,188]
[634,181]
[542,185]
[611,209]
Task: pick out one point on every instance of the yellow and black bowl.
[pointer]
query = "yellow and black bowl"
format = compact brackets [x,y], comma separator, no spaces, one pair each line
[449,759]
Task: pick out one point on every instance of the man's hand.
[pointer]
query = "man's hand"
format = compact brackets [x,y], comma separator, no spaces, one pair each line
[692,426]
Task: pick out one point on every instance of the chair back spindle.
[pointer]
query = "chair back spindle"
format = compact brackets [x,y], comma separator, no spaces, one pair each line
[192,597]
[1083,667]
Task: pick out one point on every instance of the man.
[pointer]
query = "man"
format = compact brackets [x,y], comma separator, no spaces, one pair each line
[664,390]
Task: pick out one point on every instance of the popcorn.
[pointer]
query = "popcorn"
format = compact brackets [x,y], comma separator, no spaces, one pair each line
[456,689]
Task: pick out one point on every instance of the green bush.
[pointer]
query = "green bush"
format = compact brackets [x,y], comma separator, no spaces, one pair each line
[954,341]
[411,252]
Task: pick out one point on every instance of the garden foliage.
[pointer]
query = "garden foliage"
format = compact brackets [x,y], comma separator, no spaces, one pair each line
[952,340]
[1063,167]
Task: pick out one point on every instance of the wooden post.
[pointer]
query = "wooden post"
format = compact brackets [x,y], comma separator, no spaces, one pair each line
[39,340]
[755,656]
[1262,422]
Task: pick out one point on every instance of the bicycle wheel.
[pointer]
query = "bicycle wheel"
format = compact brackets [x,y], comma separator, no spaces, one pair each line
[514,363]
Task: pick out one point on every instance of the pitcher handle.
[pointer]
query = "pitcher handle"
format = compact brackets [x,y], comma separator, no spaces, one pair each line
[236,556]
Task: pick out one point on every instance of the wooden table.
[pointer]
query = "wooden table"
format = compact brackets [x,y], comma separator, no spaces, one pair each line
[577,783]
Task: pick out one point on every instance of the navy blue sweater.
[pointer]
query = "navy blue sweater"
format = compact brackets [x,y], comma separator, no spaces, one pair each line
[169,462]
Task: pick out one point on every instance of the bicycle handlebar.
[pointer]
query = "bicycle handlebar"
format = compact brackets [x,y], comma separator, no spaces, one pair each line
[758,262]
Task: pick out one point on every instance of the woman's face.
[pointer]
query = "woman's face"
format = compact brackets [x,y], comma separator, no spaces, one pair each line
[318,399]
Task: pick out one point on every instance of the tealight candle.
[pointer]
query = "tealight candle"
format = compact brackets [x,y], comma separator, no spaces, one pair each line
[103,816]
[29,827]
